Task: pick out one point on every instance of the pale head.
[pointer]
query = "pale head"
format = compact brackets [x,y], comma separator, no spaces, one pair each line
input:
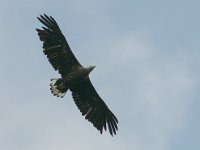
[90,68]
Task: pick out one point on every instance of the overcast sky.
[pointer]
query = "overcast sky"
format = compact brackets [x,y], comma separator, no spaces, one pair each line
[147,57]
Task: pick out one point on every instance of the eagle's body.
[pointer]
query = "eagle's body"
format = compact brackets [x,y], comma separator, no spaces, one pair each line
[74,77]
[72,80]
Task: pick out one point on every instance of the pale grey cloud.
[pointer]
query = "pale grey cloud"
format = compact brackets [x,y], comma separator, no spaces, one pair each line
[154,88]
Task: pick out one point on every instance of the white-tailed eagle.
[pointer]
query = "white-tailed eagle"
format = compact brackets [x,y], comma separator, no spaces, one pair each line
[74,77]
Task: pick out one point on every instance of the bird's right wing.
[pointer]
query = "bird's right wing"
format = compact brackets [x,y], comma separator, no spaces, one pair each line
[93,107]
[56,47]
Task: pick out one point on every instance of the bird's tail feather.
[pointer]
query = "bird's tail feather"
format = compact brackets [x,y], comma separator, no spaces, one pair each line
[58,88]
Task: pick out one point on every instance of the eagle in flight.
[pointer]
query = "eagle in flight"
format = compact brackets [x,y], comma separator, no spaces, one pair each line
[74,77]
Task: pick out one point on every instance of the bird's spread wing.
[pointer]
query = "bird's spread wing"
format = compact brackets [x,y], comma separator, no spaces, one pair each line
[93,108]
[55,46]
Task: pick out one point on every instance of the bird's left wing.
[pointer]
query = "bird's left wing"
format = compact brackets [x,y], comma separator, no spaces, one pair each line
[93,107]
[56,47]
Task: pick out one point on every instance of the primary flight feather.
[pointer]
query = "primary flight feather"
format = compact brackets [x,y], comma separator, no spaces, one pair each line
[74,77]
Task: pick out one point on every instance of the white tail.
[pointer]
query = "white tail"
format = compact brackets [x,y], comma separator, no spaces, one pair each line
[58,89]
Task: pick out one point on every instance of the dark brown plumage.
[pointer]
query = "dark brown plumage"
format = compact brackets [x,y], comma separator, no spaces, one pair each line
[74,77]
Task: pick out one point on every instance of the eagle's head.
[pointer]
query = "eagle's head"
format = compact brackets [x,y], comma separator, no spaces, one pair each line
[89,69]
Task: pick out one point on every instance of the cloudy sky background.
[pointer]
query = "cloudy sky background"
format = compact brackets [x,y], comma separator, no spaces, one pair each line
[147,57]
